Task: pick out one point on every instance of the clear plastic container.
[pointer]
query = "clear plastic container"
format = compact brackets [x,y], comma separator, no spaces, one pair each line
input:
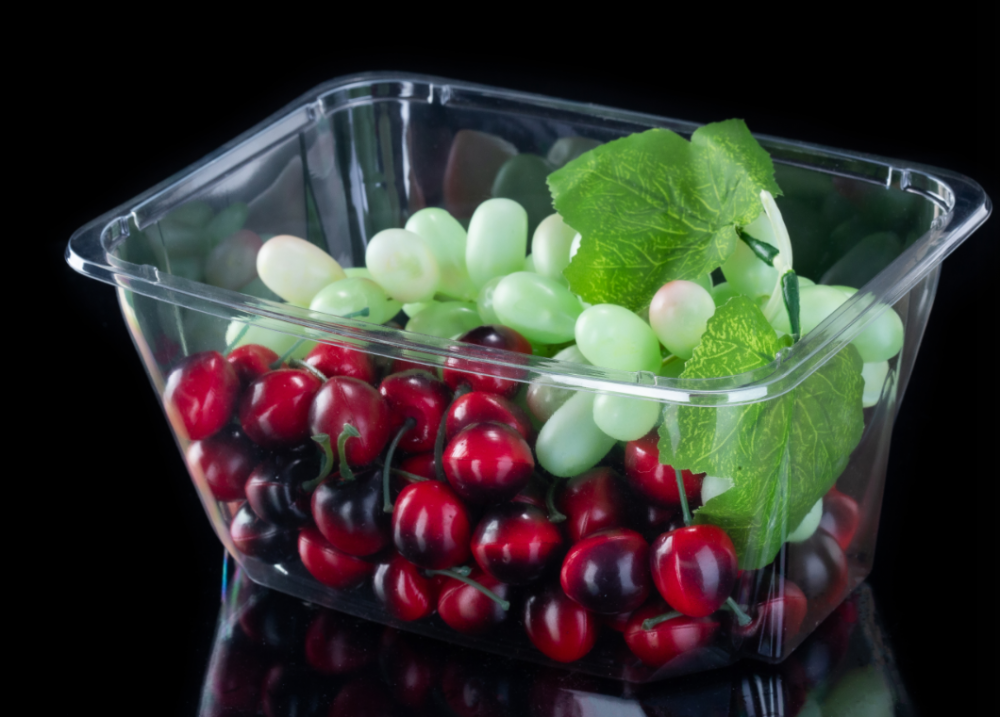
[362,154]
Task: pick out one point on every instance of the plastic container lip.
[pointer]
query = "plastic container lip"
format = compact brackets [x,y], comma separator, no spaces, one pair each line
[961,207]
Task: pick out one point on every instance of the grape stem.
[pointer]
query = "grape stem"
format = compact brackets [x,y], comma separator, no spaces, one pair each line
[652,622]
[741,617]
[685,510]
[439,439]
[387,468]
[232,344]
[461,574]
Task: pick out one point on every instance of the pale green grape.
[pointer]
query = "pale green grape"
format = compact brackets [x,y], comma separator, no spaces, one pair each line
[625,418]
[704,281]
[529,263]
[807,527]
[712,486]
[572,353]
[567,149]
[874,375]
[743,270]
[550,246]
[258,288]
[274,340]
[544,400]
[412,310]
[484,301]
[497,241]
[611,336]
[672,367]
[358,272]
[815,304]
[570,442]
[882,338]
[540,308]
[403,264]
[446,319]
[295,269]
[351,295]
[679,312]
[226,223]
[233,263]
[447,241]
[721,293]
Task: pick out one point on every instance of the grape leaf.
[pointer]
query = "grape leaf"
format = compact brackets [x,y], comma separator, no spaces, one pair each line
[783,454]
[653,207]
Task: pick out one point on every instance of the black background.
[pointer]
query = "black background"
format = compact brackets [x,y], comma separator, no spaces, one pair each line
[131,567]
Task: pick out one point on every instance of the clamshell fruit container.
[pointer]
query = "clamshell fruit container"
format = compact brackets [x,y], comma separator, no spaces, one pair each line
[362,154]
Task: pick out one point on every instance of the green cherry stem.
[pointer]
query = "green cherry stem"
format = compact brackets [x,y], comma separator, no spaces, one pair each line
[409,476]
[461,574]
[303,366]
[387,468]
[685,510]
[326,462]
[555,516]
[276,364]
[349,431]
[232,344]
[652,622]
[741,617]
[790,293]
[439,438]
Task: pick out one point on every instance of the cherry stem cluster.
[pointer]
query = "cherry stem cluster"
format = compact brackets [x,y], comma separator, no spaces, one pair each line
[462,574]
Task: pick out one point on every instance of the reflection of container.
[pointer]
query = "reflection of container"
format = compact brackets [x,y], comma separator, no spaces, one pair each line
[360,155]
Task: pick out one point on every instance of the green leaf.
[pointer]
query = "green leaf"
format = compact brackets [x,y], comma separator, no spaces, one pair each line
[653,207]
[783,454]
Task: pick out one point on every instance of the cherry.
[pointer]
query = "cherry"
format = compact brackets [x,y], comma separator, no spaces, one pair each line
[618,622]
[608,572]
[474,687]
[488,463]
[777,617]
[660,643]
[201,392]
[330,566]
[653,521]
[332,360]
[276,489]
[467,608]
[419,396]
[337,644]
[363,697]
[595,500]
[349,513]
[458,371]
[516,543]
[399,365]
[421,465]
[532,494]
[275,621]
[225,460]
[344,400]
[653,480]
[841,517]
[404,590]
[694,568]
[557,626]
[259,539]
[818,566]
[430,526]
[409,666]
[482,407]
[274,411]
[251,362]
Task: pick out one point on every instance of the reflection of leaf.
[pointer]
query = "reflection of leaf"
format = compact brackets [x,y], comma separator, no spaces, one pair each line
[783,454]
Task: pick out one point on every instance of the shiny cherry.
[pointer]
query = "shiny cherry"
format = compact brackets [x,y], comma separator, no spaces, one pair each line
[226,460]
[469,371]
[404,590]
[488,463]
[259,539]
[532,494]
[557,626]
[330,566]
[467,609]
[841,517]
[274,411]
[276,488]
[653,521]
[344,400]
[482,407]
[694,568]
[777,616]
[421,465]
[338,644]
[331,360]
[516,543]
[349,513]
[608,572]
[201,393]
[653,480]
[595,500]
[419,396]
[819,567]
[668,640]
[430,526]
[251,362]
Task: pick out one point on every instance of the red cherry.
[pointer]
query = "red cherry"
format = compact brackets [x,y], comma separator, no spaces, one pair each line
[652,479]
[400,365]
[557,626]
[776,619]
[226,460]
[404,590]
[694,568]
[344,400]
[430,526]
[332,360]
[841,517]
[595,500]
[417,395]
[259,539]
[274,411]
[516,543]
[532,494]
[329,565]
[670,639]
[618,622]
[251,361]
[202,391]
[819,567]
[337,644]
[275,489]
[488,463]
[421,465]
[481,407]
[474,373]
[468,610]
[349,514]
[608,572]
[653,521]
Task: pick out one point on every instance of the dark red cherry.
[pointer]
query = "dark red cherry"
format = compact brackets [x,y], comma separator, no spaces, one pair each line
[608,572]
[331,360]
[474,687]
[201,393]
[482,407]
[329,565]
[344,400]
[653,521]
[400,365]
[349,513]
[251,362]
[467,609]
[557,626]
[618,622]
[421,465]
[259,539]
[595,500]
[516,543]
[819,567]
[841,517]
[225,460]
[417,395]
[430,526]
[338,644]
[532,494]
[274,411]
[404,590]
[667,640]
[694,568]
[275,488]
[655,481]
[458,371]
[364,697]
[488,463]
[777,616]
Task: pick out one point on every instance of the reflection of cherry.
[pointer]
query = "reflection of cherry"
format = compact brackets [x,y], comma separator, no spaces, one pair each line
[343,400]
[670,639]
[652,479]
[337,644]
[482,407]
[467,609]
[694,568]
[430,526]
[259,539]
[251,361]
[557,626]
[473,687]
[409,667]
[841,517]
[515,543]
[608,572]
[488,463]
[472,372]
[777,617]
[225,460]
[818,566]
[364,697]
[594,500]
[290,690]
[404,590]
[202,391]
[330,566]
[331,360]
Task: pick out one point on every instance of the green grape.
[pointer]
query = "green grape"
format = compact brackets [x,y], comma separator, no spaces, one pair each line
[498,240]
[805,529]
[566,149]
[541,309]
[447,241]
[704,281]
[277,341]
[360,272]
[544,399]
[412,310]
[815,304]
[295,269]
[721,293]
[572,353]
[529,263]
[679,313]
[672,367]
[611,336]
[550,246]
[446,319]
[226,223]
[746,273]
[258,289]
[484,301]
[233,262]
[522,179]
[570,442]
[625,418]
[712,486]
[403,264]
[349,296]
[188,267]
[882,338]
[874,375]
